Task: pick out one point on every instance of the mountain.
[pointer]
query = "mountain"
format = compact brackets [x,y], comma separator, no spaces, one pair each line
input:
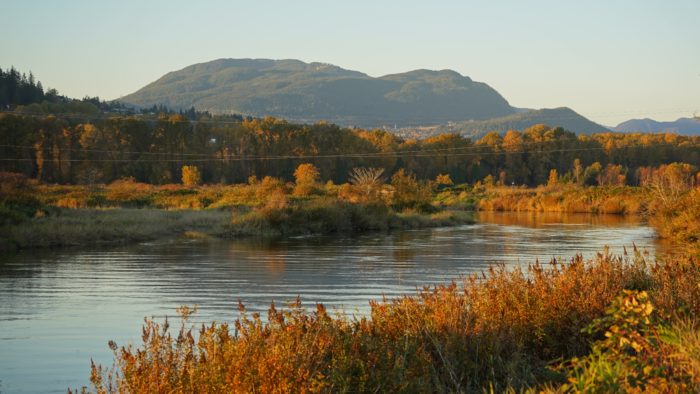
[299,91]
[685,126]
[556,117]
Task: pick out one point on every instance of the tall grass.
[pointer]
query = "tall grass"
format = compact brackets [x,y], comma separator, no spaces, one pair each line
[679,220]
[80,227]
[567,198]
[282,216]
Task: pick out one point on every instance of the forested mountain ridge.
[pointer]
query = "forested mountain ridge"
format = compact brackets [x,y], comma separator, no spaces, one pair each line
[23,93]
[309,92]
[563,117]
[685,126]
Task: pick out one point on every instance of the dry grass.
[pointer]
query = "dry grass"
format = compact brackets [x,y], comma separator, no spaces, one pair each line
[111,226]
[567,198]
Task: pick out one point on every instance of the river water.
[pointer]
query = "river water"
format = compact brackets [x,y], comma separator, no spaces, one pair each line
[59,308]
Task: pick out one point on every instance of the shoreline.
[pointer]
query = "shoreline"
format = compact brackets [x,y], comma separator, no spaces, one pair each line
[45,222]
[75,228]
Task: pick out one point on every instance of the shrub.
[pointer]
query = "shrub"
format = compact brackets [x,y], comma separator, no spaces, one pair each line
[191,176]
[640,352]
[129,193]
[365,185]
[408,192]
[307,177]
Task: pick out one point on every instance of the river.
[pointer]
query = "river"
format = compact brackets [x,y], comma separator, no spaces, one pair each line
[59,308]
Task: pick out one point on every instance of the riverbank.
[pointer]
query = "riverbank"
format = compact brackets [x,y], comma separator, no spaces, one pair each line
[126,211]
[36,215]
[569,198]
[116,226]
[674,214]
[611,324]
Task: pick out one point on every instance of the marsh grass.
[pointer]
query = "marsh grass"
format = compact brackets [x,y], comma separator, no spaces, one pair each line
[567,198]
[81,227]
[322,215]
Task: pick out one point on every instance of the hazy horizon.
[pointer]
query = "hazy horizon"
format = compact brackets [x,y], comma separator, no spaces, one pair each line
[609,62]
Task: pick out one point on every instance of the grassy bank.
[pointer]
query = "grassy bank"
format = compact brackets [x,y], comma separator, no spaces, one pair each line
[82,227]
[281,217]
[39,215]
[568,198]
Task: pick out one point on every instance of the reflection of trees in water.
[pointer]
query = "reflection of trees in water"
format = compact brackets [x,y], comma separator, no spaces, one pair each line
[403,251]
[275,266]
[403,254]
[541,219]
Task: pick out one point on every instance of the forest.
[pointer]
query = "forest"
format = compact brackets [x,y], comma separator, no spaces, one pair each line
[86,149]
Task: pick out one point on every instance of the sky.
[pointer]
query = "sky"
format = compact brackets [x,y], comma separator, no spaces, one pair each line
[608,60]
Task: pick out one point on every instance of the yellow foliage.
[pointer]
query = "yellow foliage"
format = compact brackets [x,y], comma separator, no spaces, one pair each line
[191,176]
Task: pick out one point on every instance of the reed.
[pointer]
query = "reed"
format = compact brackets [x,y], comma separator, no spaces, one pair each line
[83,227]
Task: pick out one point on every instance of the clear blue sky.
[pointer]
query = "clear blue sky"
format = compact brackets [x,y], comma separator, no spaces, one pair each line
[609,60]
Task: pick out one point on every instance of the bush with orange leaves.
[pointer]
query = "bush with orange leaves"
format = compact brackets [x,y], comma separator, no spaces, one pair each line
[502,330]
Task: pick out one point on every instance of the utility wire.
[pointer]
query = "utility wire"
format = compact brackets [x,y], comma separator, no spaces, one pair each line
[302,157]
[480,148]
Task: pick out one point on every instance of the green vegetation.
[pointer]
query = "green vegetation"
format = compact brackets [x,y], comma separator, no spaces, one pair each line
[84,227]
[686,126]
[292,89]
[24,94]
[611,324]
[280,217]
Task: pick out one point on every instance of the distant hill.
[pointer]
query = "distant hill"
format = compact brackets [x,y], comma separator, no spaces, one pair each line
[684,126]
[556,117]
[310,92]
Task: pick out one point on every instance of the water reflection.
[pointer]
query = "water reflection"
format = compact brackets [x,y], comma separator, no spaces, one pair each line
[58,309]
[541,219]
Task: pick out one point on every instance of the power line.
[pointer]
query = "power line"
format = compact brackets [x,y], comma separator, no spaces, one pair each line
[398,154]
[365,154]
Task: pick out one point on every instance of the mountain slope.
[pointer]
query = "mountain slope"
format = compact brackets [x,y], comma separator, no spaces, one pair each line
[301,91]
[685,126]
[556,117]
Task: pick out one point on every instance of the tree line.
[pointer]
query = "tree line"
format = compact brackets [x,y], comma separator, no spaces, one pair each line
[75,149]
